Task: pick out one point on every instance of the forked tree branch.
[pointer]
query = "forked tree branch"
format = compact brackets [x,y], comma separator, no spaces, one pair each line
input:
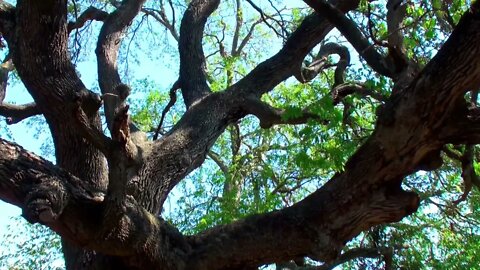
[161,17]
[381,161]
[265,18]
[216,111]
[41,52]
[320,62]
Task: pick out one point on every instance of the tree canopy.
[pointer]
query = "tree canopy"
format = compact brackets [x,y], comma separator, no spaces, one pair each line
[304,134]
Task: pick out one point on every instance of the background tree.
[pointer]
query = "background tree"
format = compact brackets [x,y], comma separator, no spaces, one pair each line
[106,193]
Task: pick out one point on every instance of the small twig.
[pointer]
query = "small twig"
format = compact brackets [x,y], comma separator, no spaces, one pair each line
[173,99]
[265,17]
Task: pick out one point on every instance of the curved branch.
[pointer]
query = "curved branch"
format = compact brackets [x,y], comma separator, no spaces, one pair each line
[351,32]
[185,147]
[320,62]
[171,102]
[192,58]
[89,14]
[470,177]
[285,63]
[369,191]
[218,160]
[109,42]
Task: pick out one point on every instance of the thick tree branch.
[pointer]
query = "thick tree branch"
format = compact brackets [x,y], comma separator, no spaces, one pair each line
[368,192]
[123,156]
[192,58]
[54,197]
[185,147]
[109,42]
[17,113]
[42,60]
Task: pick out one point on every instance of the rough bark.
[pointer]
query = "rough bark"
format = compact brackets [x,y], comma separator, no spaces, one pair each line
[108,220]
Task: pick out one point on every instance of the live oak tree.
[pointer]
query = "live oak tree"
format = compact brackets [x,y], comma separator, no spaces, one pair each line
[105,194]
